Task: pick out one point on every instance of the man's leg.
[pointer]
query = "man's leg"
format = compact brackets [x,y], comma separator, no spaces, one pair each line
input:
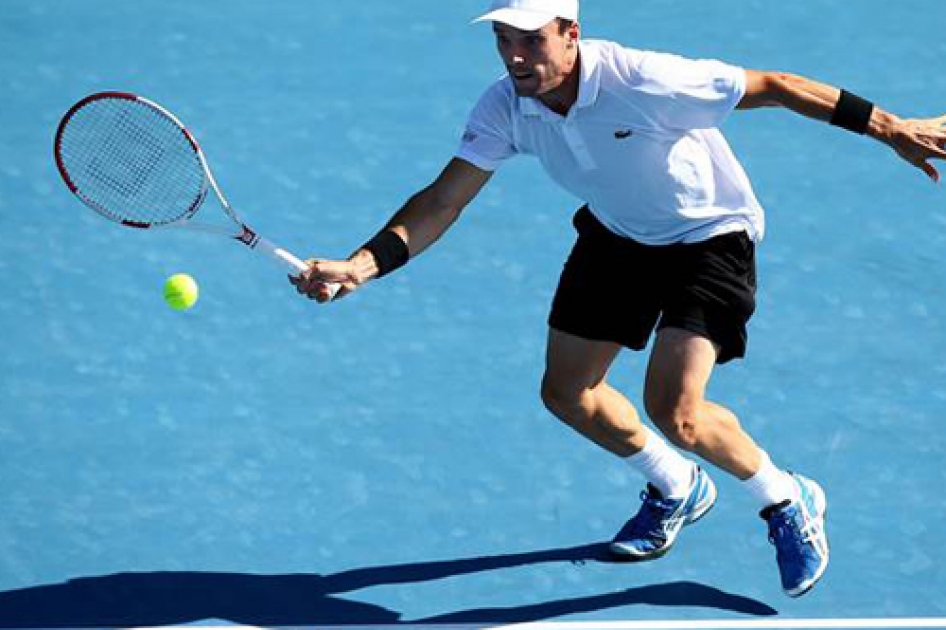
[576,391]
[674,395]
[794,507]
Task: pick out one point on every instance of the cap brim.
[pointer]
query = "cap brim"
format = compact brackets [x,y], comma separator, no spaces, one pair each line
[516,18]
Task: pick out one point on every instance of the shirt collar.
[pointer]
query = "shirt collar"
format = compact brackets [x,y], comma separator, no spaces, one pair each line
[588,87]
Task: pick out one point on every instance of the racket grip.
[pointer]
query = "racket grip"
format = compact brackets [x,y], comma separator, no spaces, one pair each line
[291,261]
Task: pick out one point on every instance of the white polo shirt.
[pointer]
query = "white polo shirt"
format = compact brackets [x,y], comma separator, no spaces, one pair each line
[641,146]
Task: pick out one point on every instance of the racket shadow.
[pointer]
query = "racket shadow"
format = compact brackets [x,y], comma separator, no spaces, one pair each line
[167,598]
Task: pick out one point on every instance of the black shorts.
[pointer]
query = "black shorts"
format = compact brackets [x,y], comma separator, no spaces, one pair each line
[616,289]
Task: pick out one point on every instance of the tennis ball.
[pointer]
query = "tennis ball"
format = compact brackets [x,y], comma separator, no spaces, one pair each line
[181,292]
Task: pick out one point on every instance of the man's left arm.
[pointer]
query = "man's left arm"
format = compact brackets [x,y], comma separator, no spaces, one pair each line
[916,140]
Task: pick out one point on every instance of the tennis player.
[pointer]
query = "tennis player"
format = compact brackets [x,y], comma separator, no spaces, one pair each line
[665,242]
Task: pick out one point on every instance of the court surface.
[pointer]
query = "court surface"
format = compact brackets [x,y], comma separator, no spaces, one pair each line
[261,461]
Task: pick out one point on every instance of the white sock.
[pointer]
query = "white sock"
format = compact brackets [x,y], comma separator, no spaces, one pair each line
[665,468]
[770,485]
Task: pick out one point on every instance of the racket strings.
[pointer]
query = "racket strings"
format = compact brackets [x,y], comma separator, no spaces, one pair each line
[131,162]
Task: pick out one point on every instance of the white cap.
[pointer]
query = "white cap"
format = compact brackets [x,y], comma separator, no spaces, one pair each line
[530,15]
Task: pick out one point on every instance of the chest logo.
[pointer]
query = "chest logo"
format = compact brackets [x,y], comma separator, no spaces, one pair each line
[623,134]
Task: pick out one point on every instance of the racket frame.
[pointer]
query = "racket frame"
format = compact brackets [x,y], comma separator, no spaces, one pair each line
[245,235]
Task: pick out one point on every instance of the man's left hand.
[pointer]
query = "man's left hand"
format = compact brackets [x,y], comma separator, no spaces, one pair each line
[920,140]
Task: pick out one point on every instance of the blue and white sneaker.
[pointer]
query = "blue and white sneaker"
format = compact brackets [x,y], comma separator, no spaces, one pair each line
[653,530]
[797,530]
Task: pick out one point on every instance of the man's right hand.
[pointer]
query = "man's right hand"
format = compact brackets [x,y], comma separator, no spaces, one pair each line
[314,282]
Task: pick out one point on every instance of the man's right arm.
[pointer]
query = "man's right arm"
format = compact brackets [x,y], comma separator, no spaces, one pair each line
[419,223]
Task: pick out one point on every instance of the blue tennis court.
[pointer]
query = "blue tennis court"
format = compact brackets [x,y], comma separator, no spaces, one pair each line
[386,460]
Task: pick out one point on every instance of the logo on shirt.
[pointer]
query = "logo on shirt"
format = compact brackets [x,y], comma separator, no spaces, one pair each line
[469,136]
[623,134]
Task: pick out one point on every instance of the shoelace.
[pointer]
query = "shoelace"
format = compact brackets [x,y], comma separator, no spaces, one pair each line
[649,520]
[785,525]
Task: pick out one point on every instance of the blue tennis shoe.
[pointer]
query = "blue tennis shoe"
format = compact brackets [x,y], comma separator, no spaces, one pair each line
[653,530]
[797,530]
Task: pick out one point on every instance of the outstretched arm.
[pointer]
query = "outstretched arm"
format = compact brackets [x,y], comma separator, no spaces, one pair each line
[419,223]
[917,141]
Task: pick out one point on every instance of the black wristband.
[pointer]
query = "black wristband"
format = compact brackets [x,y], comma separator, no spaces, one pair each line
[389,251]
[852,113]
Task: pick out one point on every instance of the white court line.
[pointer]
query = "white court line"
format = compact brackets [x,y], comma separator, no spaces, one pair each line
[902,623]
[741,624]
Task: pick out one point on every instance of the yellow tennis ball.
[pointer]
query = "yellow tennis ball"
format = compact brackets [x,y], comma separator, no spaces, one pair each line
[181,292]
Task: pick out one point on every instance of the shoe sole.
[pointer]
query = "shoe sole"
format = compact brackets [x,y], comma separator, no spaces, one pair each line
[821,504]
[623,553]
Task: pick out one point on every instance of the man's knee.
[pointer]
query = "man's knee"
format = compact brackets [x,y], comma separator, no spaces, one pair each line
[677,417]
[562,399]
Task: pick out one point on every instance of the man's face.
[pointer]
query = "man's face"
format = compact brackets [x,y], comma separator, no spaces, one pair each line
[538,61]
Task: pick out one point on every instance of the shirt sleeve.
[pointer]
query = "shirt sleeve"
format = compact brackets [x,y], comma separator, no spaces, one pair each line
[684,94]
[487,140]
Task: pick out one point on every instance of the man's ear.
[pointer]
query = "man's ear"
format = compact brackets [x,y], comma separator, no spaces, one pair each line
[573,33]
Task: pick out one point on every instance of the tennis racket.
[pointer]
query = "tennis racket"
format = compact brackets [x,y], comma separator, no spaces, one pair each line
[134,163]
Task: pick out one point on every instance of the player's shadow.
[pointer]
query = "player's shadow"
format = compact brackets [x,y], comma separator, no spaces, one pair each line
[167,598]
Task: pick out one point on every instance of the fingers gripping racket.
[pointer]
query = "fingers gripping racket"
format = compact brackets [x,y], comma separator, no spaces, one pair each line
[133,162]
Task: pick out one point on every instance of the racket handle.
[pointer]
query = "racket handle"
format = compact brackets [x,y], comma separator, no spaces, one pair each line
[291,261]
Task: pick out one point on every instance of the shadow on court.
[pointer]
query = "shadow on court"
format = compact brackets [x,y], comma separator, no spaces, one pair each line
[152,599]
